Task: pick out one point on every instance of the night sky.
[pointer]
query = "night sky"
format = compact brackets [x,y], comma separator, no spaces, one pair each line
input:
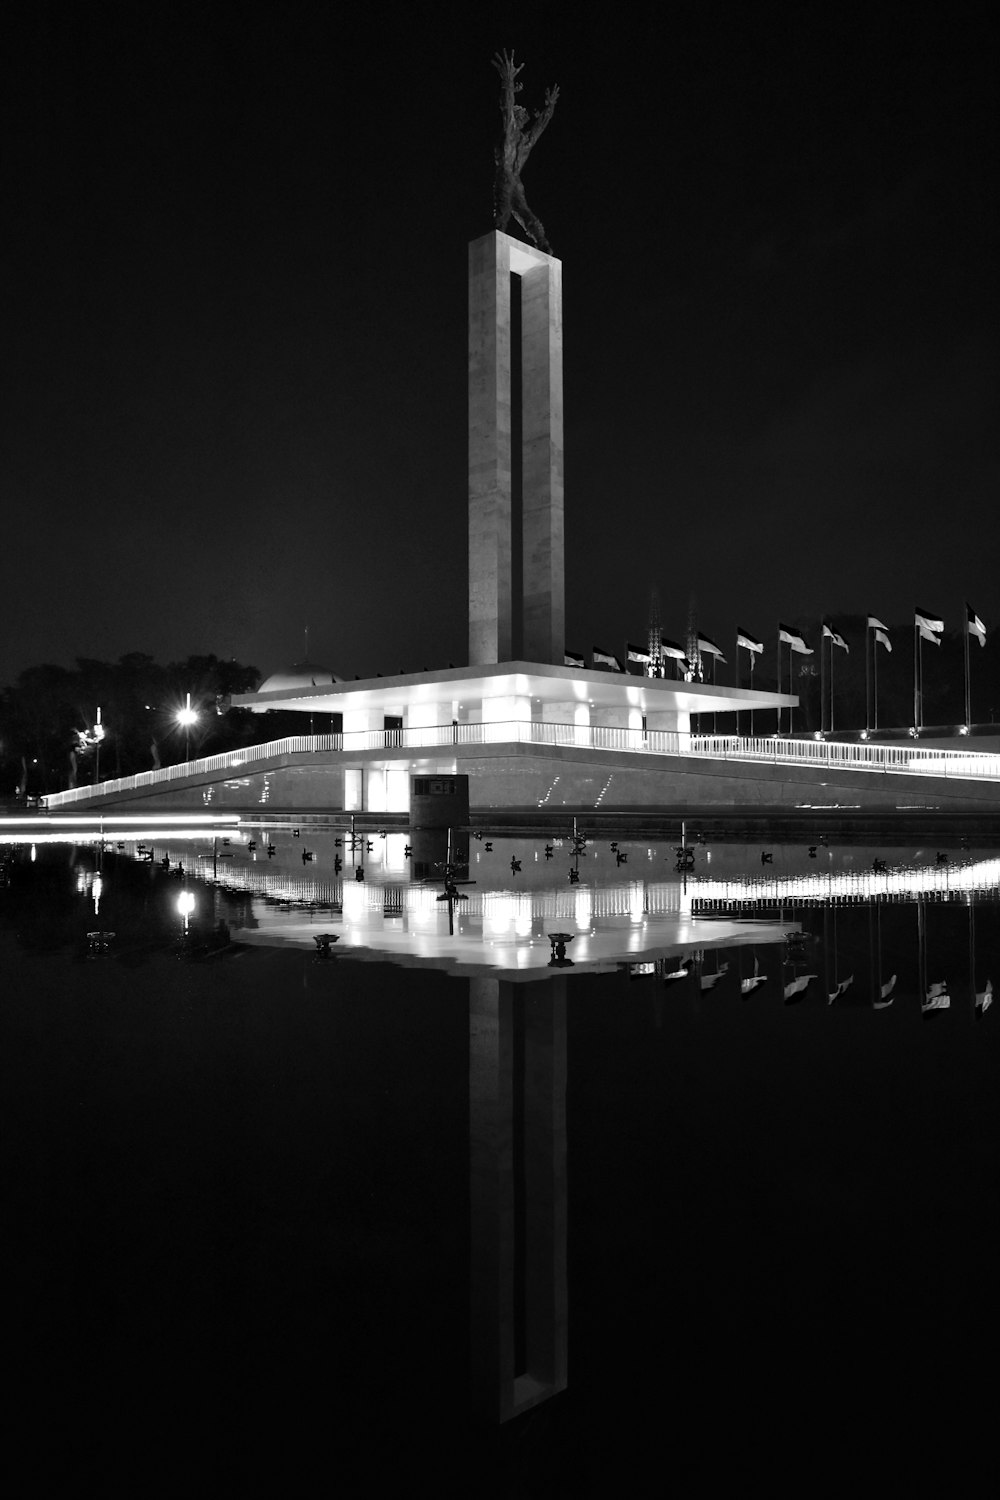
[233,273]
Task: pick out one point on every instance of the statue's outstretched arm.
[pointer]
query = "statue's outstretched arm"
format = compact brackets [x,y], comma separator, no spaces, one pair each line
[541,119]
[508,70]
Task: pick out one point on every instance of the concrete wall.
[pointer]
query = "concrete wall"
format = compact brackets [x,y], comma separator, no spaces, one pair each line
[535,777]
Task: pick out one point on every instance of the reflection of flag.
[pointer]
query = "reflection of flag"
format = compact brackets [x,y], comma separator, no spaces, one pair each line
[679,973]
[844,984]
[747,641]
[636,653]
[795,640]
[975,625]
[709,981]
[937,999]
[885,993]
[605,659]
[798,986]
[883,639]
[708,646]
[747,986]
[574,659]
[838,640]
[984,999]
[875,624]
[933,623]
[671,649]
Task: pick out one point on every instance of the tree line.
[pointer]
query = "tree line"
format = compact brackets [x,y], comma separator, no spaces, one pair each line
[52,737]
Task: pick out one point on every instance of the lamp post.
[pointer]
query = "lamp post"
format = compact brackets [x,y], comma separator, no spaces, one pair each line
[98,734]
[187,716]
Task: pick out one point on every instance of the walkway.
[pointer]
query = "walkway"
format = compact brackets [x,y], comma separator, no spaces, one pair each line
[658,744]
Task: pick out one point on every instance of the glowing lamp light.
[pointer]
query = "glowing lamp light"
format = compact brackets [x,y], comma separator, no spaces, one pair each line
[187,715]
[963,728]
[186,904]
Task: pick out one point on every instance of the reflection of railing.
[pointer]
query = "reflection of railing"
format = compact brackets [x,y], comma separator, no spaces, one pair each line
[760,749]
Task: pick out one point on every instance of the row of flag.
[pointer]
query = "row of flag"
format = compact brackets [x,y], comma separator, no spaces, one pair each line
[641,655]
[928,626]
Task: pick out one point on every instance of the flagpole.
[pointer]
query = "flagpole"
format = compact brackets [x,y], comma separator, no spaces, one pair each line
[778,709]
[791,709]
[822,680]
[875,683]
[968,685]
[831,687]
[869,649]
[916,674]
[751,655]
[737,683]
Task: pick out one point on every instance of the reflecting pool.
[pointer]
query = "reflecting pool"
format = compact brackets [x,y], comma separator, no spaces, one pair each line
[519,1150]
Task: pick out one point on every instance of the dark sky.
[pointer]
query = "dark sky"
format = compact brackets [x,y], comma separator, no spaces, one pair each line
[233,273]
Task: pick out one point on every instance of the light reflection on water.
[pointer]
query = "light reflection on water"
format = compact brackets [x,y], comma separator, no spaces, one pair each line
[208,1093]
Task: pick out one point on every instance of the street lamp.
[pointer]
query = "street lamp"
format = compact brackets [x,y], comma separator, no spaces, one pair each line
[98,733]
[187,716]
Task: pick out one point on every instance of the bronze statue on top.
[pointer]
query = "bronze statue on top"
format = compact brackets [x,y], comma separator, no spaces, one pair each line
[520,132]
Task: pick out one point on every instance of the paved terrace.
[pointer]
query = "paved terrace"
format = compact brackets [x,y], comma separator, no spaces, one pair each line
[659,745]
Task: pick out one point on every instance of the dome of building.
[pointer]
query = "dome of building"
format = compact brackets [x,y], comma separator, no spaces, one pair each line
[299,677]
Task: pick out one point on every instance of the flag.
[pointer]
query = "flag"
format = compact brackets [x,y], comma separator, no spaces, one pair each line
[930,622]
[838,640]
[636,653]
[975,625]
[844,984]
[928,635]
[883,639]
[706,644]
[875,624]
[794,639]
[984,998]
[605,659]
[671,649]
[573,659]
[747,641]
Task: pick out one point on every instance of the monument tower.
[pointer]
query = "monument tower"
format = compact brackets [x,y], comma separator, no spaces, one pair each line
[495,261]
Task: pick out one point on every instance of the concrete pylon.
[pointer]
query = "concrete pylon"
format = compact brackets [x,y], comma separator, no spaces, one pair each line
[492,261]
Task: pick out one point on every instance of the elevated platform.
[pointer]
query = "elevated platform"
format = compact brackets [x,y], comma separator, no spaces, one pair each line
[566,768]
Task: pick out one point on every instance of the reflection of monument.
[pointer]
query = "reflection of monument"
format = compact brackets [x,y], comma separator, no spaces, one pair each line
[518,1192]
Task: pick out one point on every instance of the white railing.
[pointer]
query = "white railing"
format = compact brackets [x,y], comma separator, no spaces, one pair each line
[842,755]
[954,764]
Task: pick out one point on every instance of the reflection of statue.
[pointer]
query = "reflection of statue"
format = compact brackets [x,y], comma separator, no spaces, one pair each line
[519,135]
